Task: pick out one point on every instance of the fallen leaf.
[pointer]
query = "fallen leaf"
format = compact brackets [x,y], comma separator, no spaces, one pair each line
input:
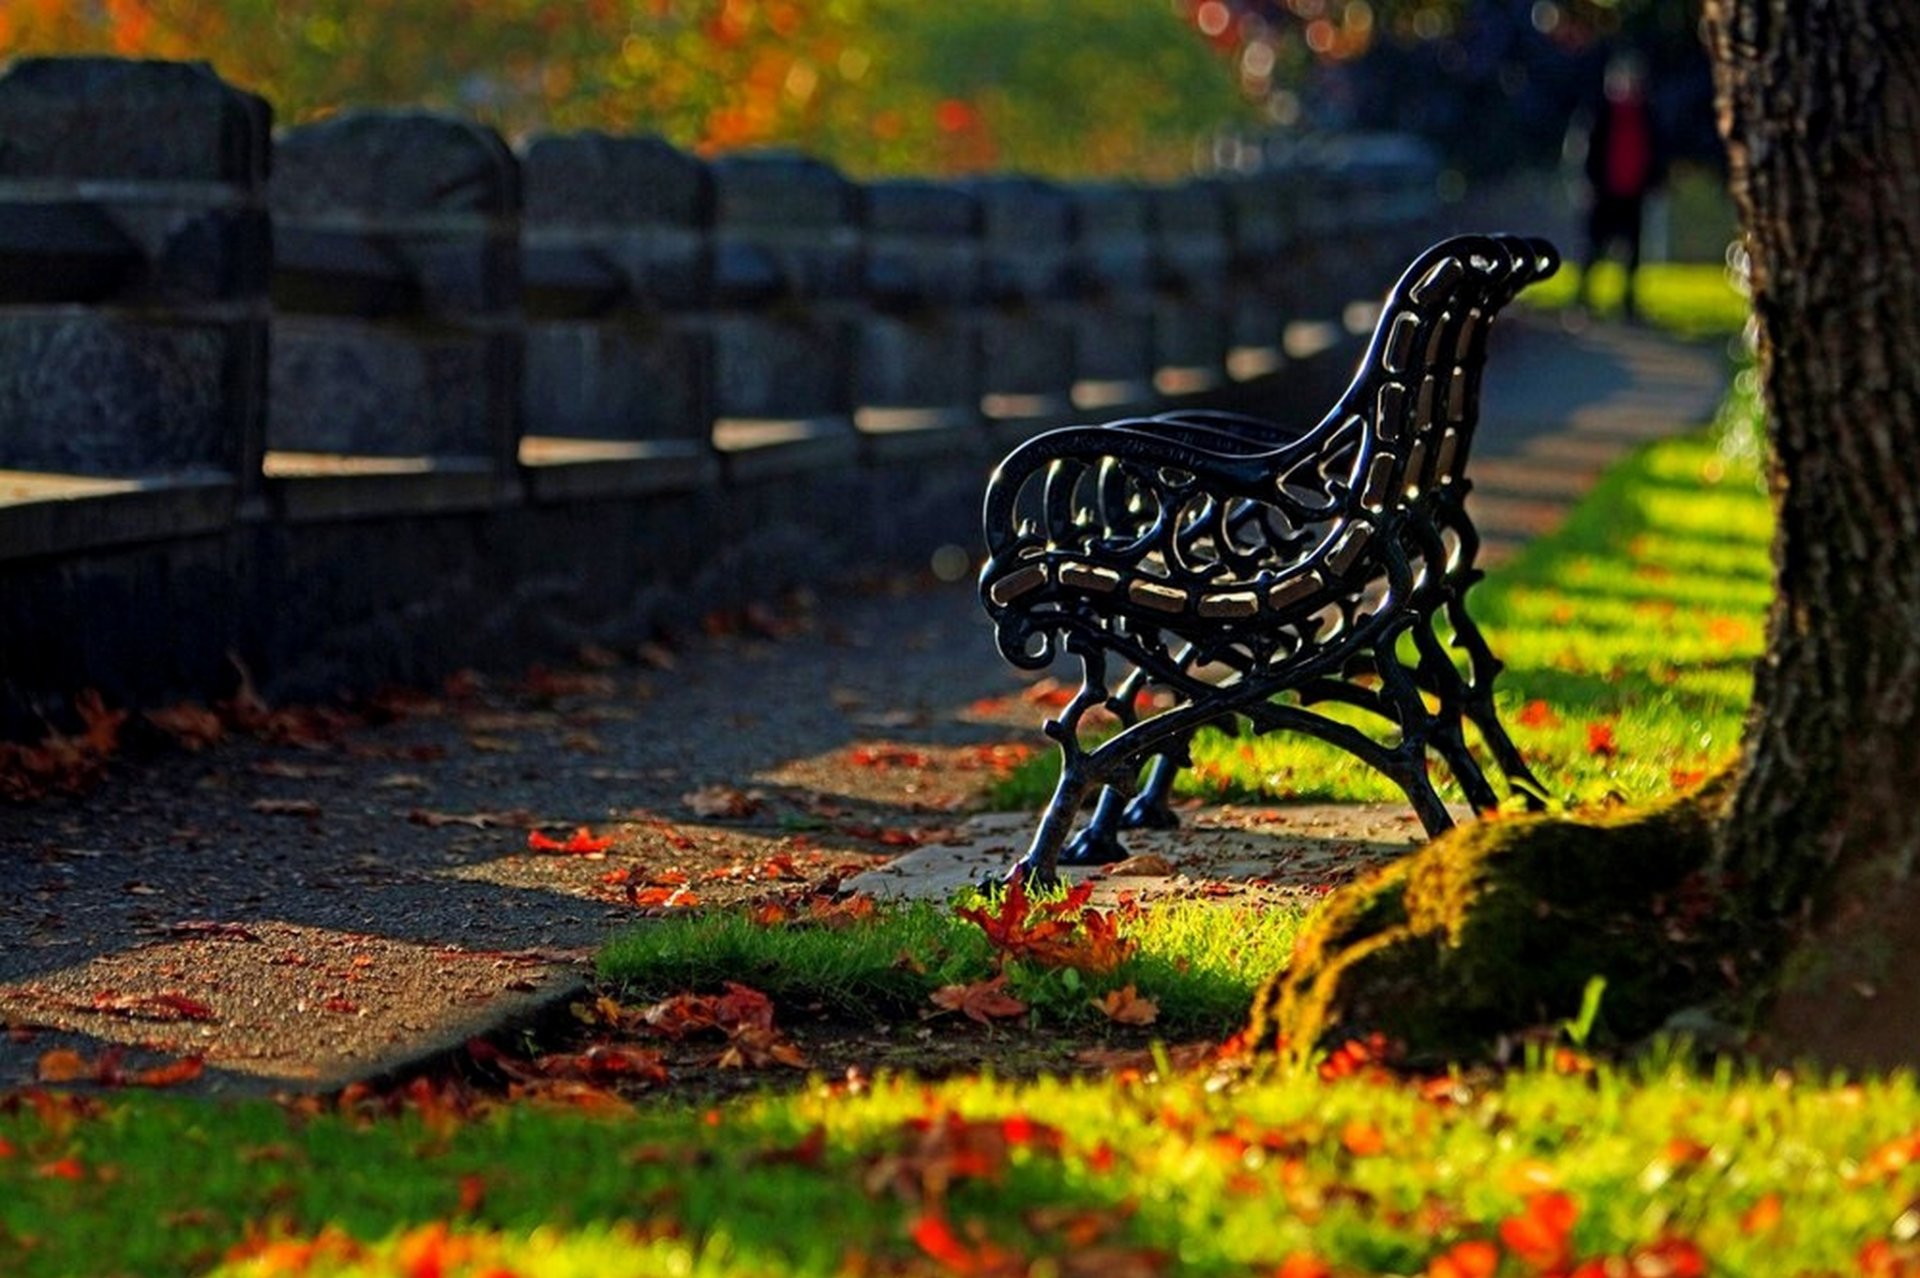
[1537,714]
[981,1001]
[286,807]
[62,1065]
[192,727]
[661,898]
[580,843]
[722,802]
[513,818]
[1600,741]
[1127,1007]
[1146,864]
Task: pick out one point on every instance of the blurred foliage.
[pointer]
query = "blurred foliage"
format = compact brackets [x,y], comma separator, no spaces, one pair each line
[1071,88]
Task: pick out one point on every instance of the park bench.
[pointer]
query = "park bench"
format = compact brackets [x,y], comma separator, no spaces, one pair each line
[1208,567]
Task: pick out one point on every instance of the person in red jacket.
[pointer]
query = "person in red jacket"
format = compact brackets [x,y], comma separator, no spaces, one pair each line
[1623,166]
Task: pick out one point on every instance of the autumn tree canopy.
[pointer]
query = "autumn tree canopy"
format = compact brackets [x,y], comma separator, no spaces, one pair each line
[1072,88]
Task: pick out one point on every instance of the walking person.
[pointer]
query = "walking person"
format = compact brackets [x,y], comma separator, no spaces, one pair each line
[1623,165]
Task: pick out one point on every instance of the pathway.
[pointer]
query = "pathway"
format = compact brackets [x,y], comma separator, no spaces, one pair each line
[329,900]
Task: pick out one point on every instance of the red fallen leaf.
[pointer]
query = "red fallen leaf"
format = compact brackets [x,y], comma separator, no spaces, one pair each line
[1050,693]
[192,727]
[580,843]
[759,1046]
[152,1007]
[62,1065]
[1600,742]
[1474,1258]
[1301,1265]
[888,756]
[1362,1139]
[606,1063]
[64,1169]
[1541,1235]
[473,1193]
[1537,714]
[344,1006]
[1685,778]
[616,876]
[1882,1259]
[743,1005]
[1763,1217]
[981,1001]
[770,913]
[172,1074]
[668,878]
[661,898]
[932,1235]
[1127,1007]
[6,1148]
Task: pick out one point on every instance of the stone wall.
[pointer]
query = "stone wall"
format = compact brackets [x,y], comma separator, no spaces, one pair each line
[381,397]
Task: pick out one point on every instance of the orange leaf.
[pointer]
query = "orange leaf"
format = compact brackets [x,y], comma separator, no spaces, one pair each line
[1600,742]
[62,1065]
[1763,1217]
[1302,1265]
[172,1074]
[1541,1235]
[580,843]
[1362,1139]
[662,898]
[1537,714]
[1474,1258]
[981,1001]
[1127,1007]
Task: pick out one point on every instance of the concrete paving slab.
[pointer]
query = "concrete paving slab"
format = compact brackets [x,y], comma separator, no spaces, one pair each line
[1219,852]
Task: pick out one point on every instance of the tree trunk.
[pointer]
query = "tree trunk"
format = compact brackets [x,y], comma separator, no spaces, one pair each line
[1820,107]
[1796,879]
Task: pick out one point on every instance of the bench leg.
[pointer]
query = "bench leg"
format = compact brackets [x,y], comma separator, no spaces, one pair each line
[1479,706]
[1149,809]
[1037,869]
[1439,676]
[1097,843]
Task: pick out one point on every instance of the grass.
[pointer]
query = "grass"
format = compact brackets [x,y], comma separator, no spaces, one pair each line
[1688,299]
[1628,634]
[1199,962]
[1641,614]
[1756,1173]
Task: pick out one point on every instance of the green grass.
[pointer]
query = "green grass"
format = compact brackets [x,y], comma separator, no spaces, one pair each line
[1368,1175]
[1688,299]
[1200,962]
[1629,633]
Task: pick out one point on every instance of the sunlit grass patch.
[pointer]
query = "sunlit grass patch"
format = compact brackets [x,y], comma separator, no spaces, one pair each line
[1198,961]
[1533,1171]
[1687,299]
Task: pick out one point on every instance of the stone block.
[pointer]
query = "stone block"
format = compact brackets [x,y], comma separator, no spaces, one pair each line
[786,227]
[637,205]
[1027,228]
[113,120]
[1113,252]
[343,387]
[613,380]
[96,393]
[923,245]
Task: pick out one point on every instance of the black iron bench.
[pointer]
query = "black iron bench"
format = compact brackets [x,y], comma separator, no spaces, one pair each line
[1208,566]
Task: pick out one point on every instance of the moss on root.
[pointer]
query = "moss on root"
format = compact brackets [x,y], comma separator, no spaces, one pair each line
[1497,927]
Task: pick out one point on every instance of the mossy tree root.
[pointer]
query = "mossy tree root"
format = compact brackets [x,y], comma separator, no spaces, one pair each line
[1497,927]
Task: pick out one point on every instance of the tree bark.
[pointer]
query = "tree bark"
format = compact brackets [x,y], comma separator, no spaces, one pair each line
[1820,108]
[1794,885]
